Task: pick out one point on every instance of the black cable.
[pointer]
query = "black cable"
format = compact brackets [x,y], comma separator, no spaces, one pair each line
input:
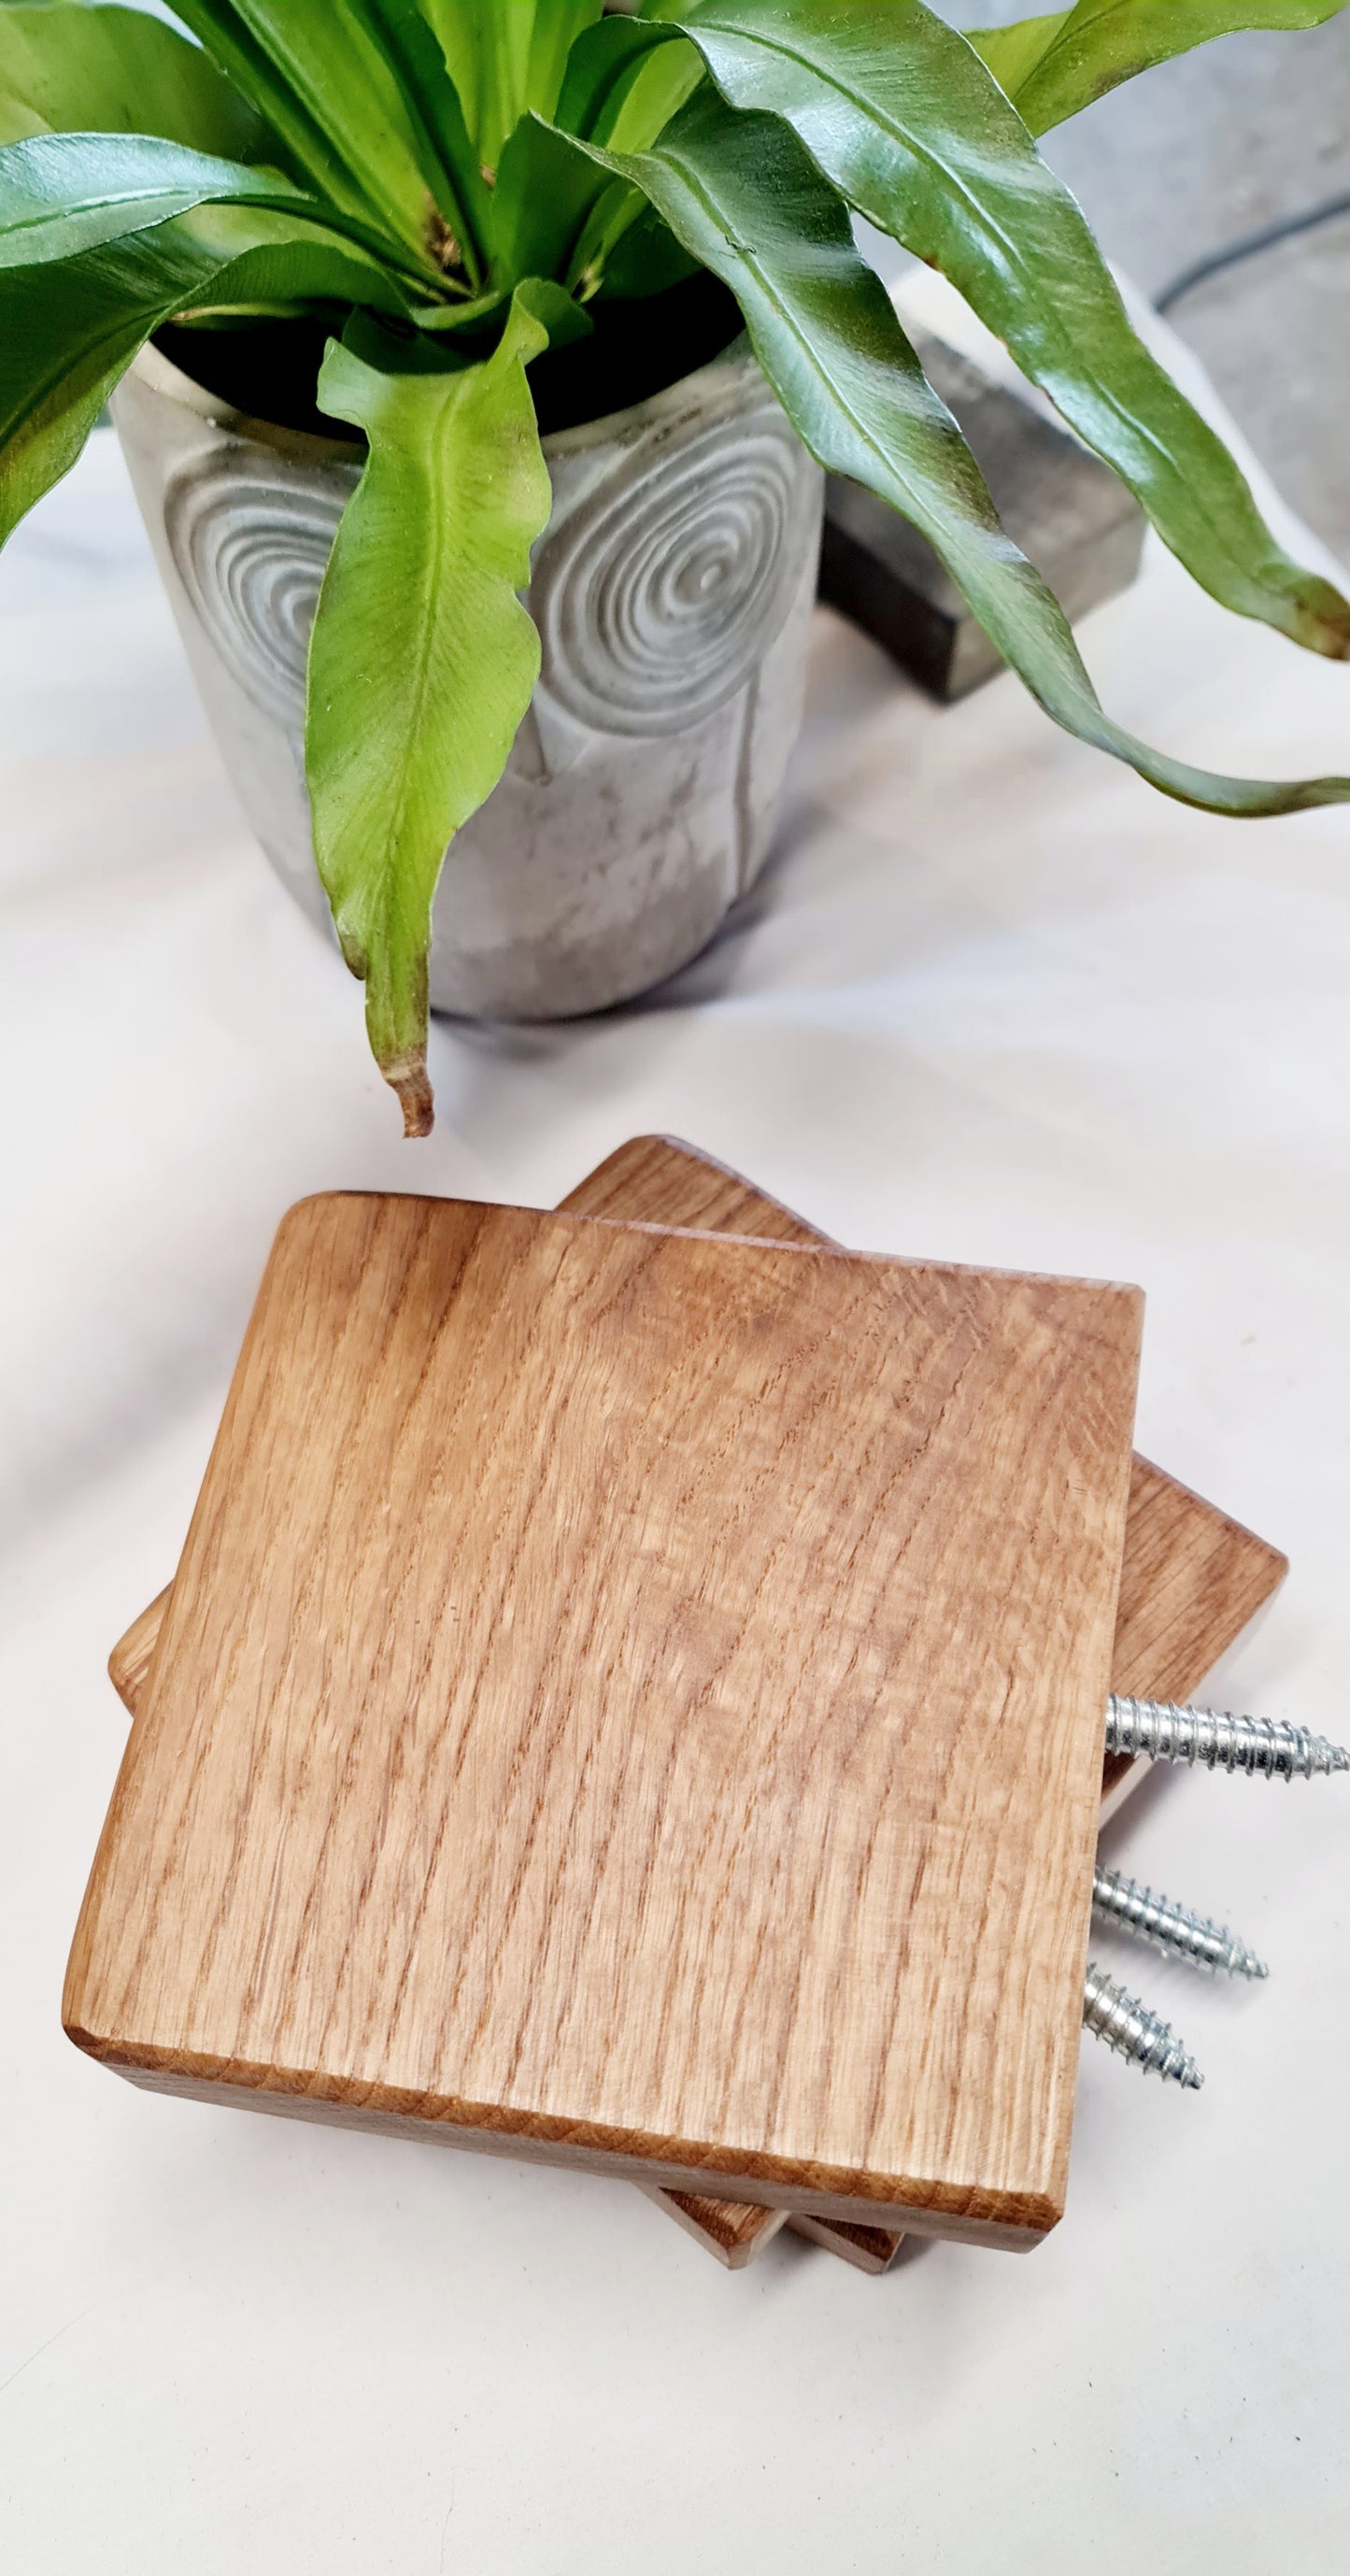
[1246,249]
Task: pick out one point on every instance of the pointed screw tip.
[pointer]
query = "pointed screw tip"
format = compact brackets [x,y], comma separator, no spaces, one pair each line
[1134,2032]
[1163,1731]
[1174,1929]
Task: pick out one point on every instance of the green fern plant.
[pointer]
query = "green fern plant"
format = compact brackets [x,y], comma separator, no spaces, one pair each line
[452,188]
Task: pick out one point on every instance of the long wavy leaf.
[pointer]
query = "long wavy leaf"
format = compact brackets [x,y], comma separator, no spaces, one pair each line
[906,122]
[433,105]
[555,213]
[487,51]
[557,25]
[621,88]
[68,69]
[544,195]
[745,197]
[644,261]
[623,84]
[68,332]
[65,193]
[506,57]
[318,76]
[1052,67]
[420,628]
[229,43]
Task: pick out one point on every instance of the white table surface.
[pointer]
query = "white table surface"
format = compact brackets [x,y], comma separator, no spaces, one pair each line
[994,1001]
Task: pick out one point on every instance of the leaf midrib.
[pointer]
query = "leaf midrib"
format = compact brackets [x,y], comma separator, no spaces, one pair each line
[817,365]
[431,560]
[933,162]
[21,423]
[44,217]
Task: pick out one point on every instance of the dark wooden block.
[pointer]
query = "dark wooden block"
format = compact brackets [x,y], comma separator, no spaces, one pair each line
[1061,505]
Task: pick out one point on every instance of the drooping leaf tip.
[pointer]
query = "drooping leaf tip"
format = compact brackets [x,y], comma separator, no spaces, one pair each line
[355,952]
[407,1075]
[1331,632]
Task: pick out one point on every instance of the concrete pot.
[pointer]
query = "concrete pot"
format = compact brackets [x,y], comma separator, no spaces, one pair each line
[672,590]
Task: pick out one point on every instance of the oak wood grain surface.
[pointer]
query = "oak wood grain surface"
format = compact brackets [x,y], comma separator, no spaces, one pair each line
[1192,1578]
[742,1772]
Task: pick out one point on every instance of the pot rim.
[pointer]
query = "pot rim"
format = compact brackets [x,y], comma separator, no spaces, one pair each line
[160,375]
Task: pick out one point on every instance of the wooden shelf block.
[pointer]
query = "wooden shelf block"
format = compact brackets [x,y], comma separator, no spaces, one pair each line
[732,2231]
[868,2249]
[631,1698]
[1192,1578]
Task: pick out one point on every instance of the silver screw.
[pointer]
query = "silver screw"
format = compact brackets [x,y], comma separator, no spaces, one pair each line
[1134,2032]
[1162,1732]
[1171,1928]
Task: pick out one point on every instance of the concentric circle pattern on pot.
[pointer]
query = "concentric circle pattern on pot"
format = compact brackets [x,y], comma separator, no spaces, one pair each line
[656,597]
[251,550]
[639,801]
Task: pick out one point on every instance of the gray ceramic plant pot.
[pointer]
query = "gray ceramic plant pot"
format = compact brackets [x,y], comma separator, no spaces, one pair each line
[672,590]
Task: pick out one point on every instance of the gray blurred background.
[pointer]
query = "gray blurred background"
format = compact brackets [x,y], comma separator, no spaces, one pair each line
[1191,157]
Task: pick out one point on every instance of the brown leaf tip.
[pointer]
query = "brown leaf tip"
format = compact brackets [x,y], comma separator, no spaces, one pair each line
[408,1077]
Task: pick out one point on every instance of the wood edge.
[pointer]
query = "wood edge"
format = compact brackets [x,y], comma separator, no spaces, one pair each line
[131,1658]
[820,1247]
[1275,1557]
[973,2213]
[867,2249]
[1122,1774]
[824,1248]
[732,2248]
[640,1148]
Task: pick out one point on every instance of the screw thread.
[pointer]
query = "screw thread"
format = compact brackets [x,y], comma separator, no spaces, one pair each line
[1134,2032]
[1162,1732]
[1172,1928]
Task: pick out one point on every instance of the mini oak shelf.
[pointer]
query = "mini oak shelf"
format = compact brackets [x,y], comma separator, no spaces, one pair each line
[289,1950]
[631,1697]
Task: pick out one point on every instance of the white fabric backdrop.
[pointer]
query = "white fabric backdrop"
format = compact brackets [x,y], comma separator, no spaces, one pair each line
[994,1001]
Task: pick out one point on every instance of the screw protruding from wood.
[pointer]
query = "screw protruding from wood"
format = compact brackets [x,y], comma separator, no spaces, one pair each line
[1134,2032]
[1161,1732]
[1171,1928]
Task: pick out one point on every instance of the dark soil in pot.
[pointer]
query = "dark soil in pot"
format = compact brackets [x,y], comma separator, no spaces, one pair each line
[268,369]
